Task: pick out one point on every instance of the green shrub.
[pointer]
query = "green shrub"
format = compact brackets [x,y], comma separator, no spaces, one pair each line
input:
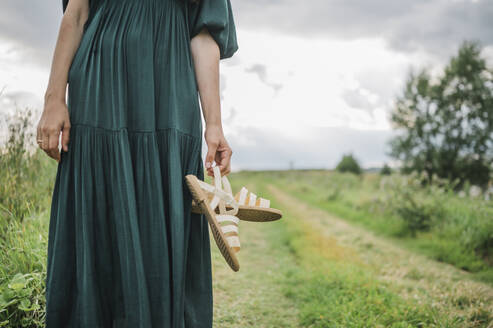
[23,272]
[22,301]
[420,208]
[386,170]
[349,164]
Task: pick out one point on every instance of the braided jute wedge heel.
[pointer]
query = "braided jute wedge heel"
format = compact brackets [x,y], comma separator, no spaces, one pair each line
[224,225]
[250,206]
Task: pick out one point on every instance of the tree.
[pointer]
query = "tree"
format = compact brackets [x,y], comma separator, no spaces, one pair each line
[349,164]
[386,170]
[446,127]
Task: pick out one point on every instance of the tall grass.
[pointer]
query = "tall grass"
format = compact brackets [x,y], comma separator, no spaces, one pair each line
[24,171]
[26,176]
[432,219]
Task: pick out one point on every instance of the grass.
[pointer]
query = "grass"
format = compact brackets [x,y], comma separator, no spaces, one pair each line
[23,272]
[306,270]
[25,194]
[461,231]
[415,279]
[330,284]
[310,269]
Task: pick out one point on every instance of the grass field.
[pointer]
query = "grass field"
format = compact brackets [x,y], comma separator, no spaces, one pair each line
[324,264]
[433,220]
[313,269]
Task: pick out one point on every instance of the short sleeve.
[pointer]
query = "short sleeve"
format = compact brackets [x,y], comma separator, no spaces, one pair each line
[64,5]
[217,17]
[92,4]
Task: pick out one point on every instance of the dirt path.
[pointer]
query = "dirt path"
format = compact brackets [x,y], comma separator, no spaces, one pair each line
[410,275]
[252,297]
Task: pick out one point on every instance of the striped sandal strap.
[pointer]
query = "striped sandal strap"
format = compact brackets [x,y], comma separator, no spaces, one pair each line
[246,197]
[229,227]
[222,183]
[227,219]
[219,197]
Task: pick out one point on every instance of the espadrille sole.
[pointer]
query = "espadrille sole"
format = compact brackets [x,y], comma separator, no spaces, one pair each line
[250,213]
[204,208]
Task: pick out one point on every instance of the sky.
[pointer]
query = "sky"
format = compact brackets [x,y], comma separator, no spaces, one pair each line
[311,81]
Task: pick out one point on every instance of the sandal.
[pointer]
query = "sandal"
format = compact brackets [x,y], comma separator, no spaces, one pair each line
[250,207]
[224,225]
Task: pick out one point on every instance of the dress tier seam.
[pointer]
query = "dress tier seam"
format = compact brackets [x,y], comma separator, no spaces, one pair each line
[136,131]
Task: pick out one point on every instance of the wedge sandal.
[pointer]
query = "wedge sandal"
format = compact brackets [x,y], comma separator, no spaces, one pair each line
[250,206]
[224,225]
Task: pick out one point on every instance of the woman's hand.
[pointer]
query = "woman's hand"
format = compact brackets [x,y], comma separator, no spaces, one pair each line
[55,118]
[218,150]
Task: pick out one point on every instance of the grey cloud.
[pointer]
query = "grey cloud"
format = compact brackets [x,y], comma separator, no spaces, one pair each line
[231,117]
[261,71]
[356,100]
[222,86]
[378,83]
[10,101]
[32,25]
[409,24]
[436,26]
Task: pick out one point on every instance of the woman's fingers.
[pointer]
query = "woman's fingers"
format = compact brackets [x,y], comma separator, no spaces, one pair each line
[218,151]
[65,135]
[45,138]
[54,140]
[49,137]
[53,146]
[223,159]
[211,152]
[209,158]
[227,170]
[39,136]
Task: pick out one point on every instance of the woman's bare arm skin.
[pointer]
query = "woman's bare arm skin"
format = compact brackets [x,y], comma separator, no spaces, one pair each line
[205,53]
[55,116]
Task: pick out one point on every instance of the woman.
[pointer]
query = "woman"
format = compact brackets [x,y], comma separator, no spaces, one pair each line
[124,248]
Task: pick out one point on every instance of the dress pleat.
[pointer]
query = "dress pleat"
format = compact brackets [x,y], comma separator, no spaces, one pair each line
[124,248]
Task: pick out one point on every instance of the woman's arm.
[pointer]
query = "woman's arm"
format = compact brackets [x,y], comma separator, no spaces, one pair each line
[205,53]
[55,116]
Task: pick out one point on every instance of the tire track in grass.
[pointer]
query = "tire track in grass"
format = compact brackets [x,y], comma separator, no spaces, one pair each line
[439,287]
[252,297]
[326,284]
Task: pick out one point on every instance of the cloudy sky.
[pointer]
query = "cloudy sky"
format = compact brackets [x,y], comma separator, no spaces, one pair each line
[311,80]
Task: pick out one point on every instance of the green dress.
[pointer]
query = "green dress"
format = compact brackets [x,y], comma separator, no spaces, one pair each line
[124,249]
